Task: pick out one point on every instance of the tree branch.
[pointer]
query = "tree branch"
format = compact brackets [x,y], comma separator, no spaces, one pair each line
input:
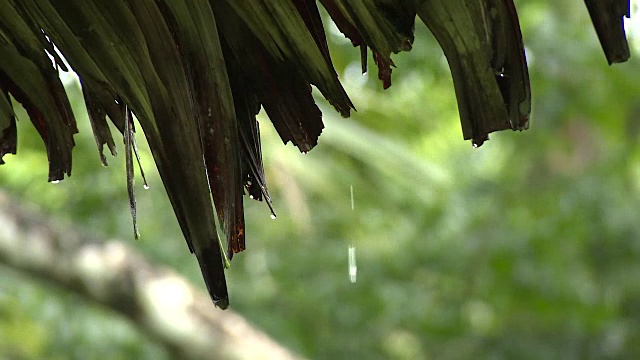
[156,299]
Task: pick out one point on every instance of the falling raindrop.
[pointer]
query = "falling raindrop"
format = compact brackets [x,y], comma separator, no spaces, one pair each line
[353,267]
[352,203]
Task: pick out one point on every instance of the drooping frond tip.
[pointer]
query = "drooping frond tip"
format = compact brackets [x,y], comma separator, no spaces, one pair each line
[196,73]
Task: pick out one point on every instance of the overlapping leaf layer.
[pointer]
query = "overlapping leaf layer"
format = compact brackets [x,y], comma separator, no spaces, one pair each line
[195,74]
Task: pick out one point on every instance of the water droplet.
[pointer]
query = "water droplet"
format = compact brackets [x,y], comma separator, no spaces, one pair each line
[352,202]
[353,267]
[273,216]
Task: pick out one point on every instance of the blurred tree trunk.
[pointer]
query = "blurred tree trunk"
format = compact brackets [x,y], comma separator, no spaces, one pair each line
[110,273]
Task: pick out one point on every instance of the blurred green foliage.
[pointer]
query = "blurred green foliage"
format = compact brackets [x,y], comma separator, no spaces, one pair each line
[527,248]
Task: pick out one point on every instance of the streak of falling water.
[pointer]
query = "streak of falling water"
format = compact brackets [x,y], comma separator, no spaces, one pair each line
[353,267]
[352,204]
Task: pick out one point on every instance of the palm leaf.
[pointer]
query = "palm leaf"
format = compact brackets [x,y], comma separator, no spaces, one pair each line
[195,74]
[607,17]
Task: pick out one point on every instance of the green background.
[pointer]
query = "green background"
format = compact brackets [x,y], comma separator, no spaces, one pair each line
[528,247]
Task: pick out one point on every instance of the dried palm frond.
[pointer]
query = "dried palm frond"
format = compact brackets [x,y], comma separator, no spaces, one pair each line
[195,74]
